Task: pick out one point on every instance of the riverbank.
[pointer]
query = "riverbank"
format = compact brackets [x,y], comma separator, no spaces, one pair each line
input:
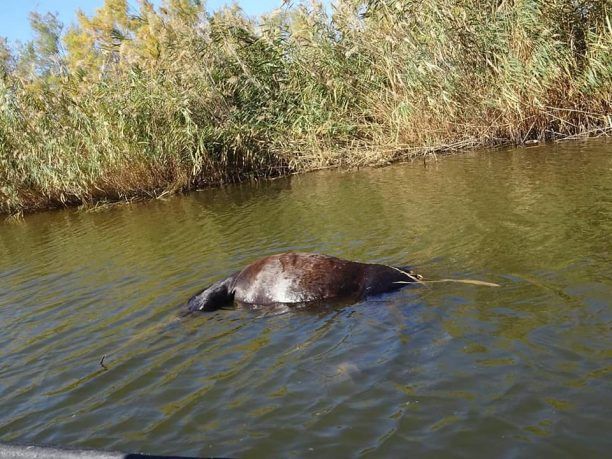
[158,101]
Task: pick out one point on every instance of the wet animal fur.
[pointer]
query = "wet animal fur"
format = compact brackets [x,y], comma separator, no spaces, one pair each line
[301,278]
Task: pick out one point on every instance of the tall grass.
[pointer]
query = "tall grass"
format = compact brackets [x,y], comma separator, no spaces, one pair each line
[159,101]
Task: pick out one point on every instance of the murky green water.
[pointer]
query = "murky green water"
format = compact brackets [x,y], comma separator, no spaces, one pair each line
[451,370]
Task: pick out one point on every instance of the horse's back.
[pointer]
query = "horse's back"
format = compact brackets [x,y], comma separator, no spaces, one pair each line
[297,278]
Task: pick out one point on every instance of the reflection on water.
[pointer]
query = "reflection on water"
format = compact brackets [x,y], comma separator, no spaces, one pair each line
[444,370]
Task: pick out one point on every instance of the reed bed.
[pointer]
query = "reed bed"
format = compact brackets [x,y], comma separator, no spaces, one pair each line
[147,102]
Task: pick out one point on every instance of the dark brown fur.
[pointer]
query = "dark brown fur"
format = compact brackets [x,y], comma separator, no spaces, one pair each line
[300,278]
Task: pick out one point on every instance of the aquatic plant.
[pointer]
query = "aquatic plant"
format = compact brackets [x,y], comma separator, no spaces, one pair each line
[145,103]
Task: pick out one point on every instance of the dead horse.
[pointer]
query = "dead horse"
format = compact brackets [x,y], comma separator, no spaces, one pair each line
[301,278]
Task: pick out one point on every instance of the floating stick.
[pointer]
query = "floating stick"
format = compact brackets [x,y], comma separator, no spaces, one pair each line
[458,281]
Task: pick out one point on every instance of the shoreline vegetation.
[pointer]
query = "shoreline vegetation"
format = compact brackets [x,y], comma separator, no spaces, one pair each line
[146,101]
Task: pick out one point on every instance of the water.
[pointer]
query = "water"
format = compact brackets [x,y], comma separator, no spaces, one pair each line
[446,371]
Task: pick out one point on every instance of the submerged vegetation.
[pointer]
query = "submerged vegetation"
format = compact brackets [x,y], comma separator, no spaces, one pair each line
[160,99]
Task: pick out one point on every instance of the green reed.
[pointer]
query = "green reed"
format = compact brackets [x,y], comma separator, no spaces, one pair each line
[145,103]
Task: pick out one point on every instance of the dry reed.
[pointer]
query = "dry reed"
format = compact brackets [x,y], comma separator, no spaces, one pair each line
[156,101]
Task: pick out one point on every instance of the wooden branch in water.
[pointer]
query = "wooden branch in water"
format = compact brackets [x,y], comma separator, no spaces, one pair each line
[458,281]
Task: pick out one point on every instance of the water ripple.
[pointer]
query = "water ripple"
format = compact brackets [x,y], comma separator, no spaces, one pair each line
[521,370]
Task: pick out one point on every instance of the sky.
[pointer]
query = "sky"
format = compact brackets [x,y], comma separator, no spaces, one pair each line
[14,23]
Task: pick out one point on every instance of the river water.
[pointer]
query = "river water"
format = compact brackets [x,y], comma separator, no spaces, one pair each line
[447,370]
